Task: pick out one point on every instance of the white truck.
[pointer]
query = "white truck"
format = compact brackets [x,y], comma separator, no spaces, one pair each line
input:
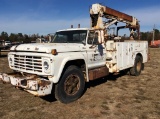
[76,56]
[5,44]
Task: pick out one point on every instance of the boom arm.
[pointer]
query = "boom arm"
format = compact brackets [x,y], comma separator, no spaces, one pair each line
[97,12]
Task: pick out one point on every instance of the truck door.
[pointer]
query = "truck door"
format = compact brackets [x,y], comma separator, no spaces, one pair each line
[96,54]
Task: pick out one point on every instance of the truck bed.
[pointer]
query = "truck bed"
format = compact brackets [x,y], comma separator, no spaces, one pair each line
[121,55]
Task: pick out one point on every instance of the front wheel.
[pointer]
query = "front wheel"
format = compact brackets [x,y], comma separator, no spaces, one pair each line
[138,66]
[71,85]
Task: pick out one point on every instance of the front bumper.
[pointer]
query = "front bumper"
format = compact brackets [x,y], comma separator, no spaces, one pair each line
[31,83]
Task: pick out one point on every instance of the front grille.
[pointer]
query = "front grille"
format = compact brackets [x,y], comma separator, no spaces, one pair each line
[28,63]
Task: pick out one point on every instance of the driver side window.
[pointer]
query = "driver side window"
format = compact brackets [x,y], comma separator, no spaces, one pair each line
[92,38]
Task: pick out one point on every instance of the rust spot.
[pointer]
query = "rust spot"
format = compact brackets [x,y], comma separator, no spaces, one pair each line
[36,48]
[43,83]
[115,13]
[114,50]
[97,73]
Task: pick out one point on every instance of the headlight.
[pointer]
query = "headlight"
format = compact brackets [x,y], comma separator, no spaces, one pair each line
[11,60]
[46,65]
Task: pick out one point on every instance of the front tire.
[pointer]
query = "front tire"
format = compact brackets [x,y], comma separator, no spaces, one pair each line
[136,69]
[71,85]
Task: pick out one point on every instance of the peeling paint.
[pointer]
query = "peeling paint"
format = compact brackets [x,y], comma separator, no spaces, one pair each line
[29,82]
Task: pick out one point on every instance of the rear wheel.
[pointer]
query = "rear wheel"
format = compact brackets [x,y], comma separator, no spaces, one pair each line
[70,86]
[136,69]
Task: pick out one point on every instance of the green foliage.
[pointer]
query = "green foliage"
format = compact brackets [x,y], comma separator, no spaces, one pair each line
[27,39]
[4,36]
[18,37]
[149,35]
[157,34]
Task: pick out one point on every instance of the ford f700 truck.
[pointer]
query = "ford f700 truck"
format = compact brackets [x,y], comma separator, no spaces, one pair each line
[76,56]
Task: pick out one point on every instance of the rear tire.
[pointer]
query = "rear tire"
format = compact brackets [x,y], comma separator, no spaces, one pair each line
[136,69]
[71,85]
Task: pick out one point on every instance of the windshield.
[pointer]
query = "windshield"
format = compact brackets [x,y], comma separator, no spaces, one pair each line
[75,36]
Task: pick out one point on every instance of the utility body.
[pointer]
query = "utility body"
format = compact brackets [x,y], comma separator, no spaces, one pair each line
[76,56]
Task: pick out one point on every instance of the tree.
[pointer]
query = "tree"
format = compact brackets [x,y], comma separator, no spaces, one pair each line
[156,31]
[20,35]
[26,38]
[13,37]
[4,36]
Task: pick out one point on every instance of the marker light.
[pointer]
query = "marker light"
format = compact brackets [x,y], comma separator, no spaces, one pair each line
[54,52]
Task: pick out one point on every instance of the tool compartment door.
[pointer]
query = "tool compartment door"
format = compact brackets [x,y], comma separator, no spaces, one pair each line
[124,55]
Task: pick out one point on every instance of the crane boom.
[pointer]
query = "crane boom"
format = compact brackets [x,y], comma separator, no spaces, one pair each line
[98,11]
[114,13]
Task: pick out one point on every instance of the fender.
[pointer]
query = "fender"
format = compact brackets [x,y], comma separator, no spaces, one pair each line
[58,72]
[137,53]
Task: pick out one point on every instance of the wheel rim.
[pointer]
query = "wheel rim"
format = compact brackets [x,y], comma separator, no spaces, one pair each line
[72,84]
[139,66]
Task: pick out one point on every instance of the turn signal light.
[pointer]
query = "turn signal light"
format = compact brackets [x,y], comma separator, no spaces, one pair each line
[54,52]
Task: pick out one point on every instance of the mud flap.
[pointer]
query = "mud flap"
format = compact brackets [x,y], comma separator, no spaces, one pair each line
[31,83]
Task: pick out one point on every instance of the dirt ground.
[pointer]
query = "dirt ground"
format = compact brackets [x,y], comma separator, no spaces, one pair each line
[114,97]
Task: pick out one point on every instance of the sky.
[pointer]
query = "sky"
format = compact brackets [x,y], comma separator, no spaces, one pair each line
[47,16]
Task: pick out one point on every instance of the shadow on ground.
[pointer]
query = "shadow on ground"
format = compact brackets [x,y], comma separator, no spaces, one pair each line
[3,56]
[110,77]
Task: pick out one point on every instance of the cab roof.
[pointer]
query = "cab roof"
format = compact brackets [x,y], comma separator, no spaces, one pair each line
[72,29]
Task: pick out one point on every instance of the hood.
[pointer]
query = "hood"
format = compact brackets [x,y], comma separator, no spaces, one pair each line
[47,47]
